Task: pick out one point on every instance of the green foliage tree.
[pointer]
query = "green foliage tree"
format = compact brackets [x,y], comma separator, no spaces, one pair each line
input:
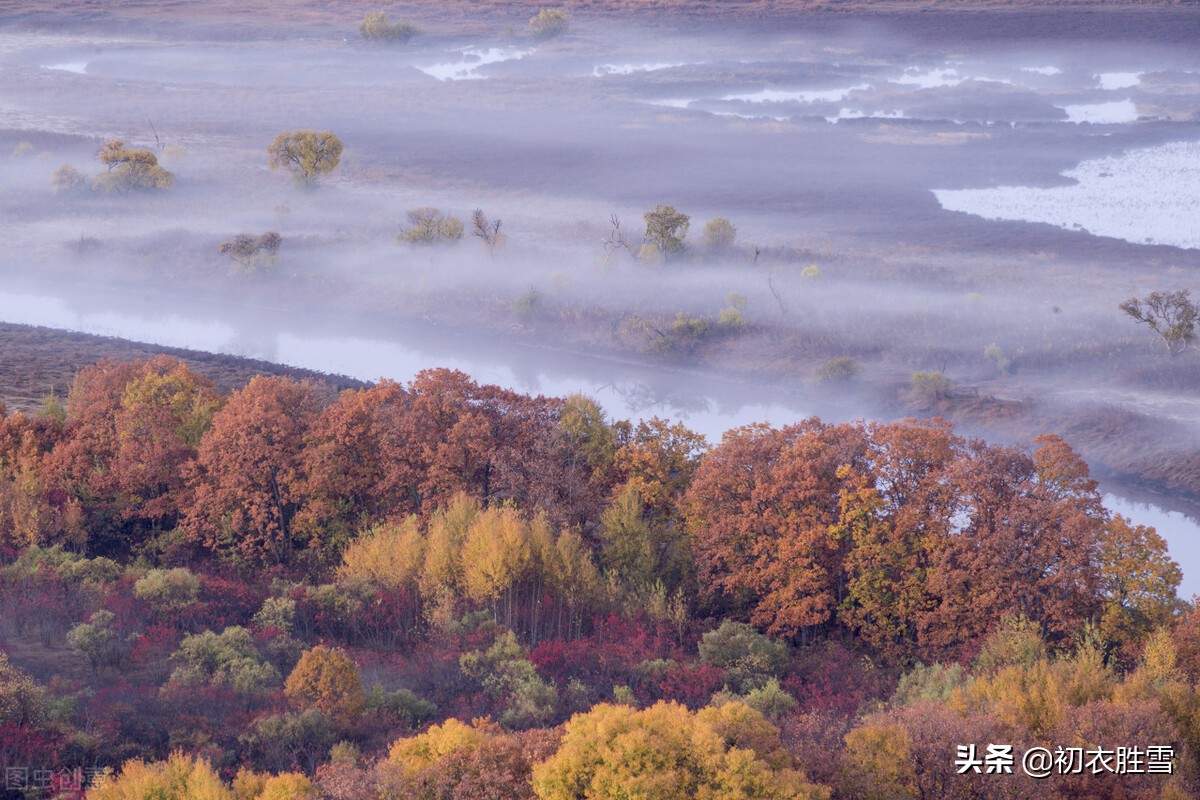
[549,23]
[306,154]
[97,640]
[750,658]
[228,659]
[168,589]
[507,674]
[1172,315]
[130,170]
[22,700]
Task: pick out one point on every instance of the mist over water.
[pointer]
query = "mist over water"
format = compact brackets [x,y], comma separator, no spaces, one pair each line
[900,200]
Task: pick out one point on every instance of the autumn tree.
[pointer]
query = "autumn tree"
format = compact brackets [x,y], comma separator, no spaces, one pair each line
[32,509]
[669,753]
[134,431]
[326,679]
[895,515]
[762,512]
[428,225]
[388,556]
[250,480]
[308,155]
[1026,541]
[1138,578]
[180,777]
[130,169]
[359,468]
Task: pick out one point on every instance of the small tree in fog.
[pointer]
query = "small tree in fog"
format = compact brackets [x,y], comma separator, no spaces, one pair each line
[253,253]
[1172,315]
[431,226]
[719,234]
[306,154]
[67,180]
[375,26]
[616,239]
[665,229]
[929,387]
[130,169]
[487,231]
[549,23]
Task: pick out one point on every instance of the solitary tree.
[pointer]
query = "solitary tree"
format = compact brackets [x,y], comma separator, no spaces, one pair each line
[375,26]
[130,169]
[665,229]
[430,226]
[719,234]
[306,154]
[1172,315]
[549,23]
[487,230]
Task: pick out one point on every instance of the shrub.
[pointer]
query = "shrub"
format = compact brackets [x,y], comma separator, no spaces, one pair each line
[97,641]
[226,659]
[750,657]
[929,387]
[375,26]
[731,319]
[840,368]
[719,234]
[67,179]
[812,272]
[130,169]
[549,23]
[253,253]
[306,154]
[994,354]
[527,305]
[431,226]
[168,590]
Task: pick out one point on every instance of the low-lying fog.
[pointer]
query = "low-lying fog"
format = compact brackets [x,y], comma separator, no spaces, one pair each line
[907,201]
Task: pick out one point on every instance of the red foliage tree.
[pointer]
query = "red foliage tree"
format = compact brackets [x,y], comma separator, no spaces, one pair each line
[250,479]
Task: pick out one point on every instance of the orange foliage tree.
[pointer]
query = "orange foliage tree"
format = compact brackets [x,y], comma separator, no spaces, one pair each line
[250,480]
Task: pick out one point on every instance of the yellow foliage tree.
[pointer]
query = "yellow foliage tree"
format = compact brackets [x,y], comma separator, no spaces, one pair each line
[388,556]
[416,753]
[877,762]
[180,777]
[666,752]
[326,678]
